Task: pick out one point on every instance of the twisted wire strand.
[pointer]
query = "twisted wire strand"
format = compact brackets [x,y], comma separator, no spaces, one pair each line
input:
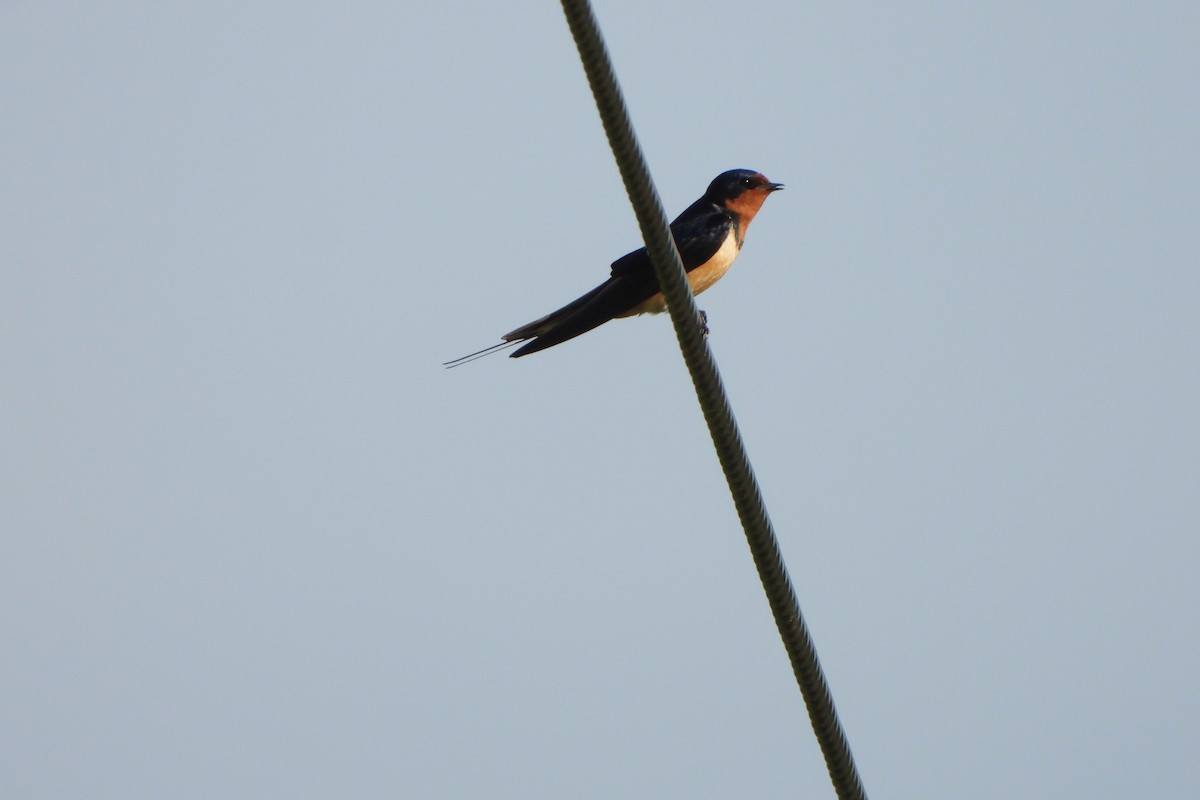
[731,452]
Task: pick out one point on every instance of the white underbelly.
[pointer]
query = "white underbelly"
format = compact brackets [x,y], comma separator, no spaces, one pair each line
[699,279]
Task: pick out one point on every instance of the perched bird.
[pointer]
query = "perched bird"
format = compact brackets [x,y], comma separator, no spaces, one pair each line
[708,234]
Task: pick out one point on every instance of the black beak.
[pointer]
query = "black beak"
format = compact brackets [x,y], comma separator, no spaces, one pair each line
[774,187]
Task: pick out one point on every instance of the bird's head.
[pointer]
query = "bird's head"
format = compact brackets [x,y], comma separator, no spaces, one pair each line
[742,191]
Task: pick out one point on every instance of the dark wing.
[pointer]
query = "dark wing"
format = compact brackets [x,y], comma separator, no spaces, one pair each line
[614,296]
[699,232]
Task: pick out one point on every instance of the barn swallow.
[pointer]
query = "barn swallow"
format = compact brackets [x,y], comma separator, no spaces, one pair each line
[708,234]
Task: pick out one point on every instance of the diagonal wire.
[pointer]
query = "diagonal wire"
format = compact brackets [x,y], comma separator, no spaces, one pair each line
[713,401]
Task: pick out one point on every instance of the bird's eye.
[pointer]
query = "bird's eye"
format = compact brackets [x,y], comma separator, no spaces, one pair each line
[747,182]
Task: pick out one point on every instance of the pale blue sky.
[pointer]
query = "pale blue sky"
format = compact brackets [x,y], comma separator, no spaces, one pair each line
[255,542]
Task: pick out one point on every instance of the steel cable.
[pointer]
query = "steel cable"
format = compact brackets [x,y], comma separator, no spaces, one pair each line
[747,497]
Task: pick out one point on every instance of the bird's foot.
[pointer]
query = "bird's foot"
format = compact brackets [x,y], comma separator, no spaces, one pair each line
[704,323]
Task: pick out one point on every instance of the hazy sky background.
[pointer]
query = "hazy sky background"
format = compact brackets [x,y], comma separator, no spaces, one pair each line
[255,542]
